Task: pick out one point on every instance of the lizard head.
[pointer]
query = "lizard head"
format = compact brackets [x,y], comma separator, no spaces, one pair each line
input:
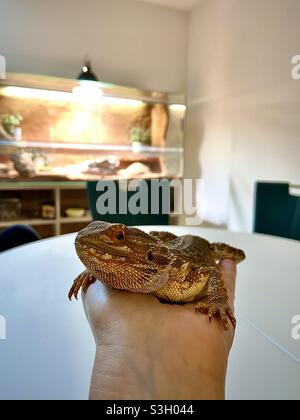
[123,257]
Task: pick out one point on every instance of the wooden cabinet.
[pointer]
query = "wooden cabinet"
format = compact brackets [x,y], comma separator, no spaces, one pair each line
[62,196]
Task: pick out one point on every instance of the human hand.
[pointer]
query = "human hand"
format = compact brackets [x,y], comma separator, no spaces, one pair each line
[148,350]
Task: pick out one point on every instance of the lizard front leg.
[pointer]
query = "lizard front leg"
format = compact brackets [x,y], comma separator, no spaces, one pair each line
[218,302]
[84,280]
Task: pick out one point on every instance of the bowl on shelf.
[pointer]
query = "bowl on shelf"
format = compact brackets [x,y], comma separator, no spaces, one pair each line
[75,213]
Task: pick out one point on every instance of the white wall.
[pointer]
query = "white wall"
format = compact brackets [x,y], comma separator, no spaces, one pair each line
[130,42]
[244,118]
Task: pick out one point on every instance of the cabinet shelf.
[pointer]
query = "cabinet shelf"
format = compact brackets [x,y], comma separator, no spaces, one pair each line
[45,222]
[9,147]
[31,222]
[63,195]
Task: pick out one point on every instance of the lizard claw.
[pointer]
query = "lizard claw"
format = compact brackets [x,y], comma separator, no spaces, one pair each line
[83,281]
[220,310]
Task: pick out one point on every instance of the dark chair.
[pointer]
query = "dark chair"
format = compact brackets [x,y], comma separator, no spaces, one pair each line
[127,219]
[277,212]
[16,236]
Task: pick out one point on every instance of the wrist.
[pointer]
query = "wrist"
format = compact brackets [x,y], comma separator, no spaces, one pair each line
[120,374]
[124,373]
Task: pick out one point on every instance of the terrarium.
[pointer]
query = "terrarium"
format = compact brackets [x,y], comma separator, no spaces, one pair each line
[60,129]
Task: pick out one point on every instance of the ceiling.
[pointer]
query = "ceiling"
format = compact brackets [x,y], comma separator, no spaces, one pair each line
[176,4]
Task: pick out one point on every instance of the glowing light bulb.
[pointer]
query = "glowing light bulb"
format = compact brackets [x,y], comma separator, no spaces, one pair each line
[178,107]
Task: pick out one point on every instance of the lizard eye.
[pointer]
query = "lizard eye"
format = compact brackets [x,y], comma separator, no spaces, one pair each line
[120,236]
[150,256]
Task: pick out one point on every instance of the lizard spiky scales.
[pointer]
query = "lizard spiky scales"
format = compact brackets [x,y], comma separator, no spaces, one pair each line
[175,269]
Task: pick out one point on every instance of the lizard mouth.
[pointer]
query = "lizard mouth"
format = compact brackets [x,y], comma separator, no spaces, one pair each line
[101,249]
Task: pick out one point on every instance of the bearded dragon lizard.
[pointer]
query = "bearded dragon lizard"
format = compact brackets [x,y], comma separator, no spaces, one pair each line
[175,269]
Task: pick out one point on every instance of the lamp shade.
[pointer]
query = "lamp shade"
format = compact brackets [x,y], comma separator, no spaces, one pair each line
[87,72]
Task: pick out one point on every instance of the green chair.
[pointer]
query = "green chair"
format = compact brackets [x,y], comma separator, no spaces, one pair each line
[127,219]
[277,212]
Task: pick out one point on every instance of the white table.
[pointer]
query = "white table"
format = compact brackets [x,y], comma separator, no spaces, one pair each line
[49,350]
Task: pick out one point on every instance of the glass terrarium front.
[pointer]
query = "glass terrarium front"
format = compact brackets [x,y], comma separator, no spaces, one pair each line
[57,129]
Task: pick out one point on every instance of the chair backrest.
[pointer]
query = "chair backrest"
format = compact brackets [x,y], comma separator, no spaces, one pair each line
[277,212]
[127,219]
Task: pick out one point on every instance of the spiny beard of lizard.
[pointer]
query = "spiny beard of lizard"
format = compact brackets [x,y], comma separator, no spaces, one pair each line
[119,257]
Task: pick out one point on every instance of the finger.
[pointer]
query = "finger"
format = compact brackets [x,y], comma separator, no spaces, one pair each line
[229,270]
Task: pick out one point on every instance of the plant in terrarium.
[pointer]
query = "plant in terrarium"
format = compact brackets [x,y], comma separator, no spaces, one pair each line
[10,122]
[140,135]
[22,163]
